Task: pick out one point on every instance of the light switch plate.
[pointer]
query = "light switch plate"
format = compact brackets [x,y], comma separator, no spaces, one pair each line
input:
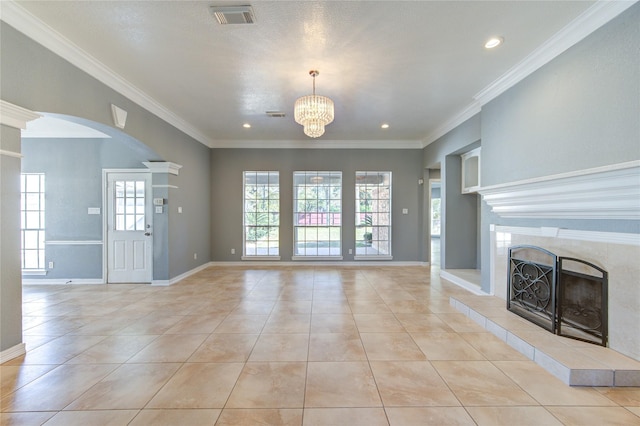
[158,209]
[93,210]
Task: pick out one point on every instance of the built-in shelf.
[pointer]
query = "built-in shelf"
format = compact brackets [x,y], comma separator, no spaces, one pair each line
[471,171]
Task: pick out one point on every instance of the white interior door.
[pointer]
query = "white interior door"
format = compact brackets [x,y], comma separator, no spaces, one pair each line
[129,228]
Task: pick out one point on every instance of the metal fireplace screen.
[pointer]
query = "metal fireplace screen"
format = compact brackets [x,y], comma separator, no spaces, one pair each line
[564,295]
[532,285]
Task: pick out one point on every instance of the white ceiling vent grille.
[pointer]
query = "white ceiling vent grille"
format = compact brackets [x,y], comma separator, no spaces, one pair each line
[233,14]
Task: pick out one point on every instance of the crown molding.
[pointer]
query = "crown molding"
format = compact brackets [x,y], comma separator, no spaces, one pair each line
[23,21]
[318,144]
[163,167]
[590,20]
[15,116]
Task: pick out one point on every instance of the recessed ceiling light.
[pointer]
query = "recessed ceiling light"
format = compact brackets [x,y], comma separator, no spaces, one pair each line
[246,125]
[493,42]
[385,126]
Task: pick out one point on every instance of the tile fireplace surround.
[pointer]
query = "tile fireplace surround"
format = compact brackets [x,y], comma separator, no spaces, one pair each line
[611,252]
[573,361]
[602,193]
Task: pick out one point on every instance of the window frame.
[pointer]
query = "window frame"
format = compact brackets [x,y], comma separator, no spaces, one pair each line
[26,218]
[313,216]
[272,228]
[371,250]
[130,211]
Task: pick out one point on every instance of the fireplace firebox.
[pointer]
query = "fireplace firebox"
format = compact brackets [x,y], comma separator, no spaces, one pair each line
[563,295]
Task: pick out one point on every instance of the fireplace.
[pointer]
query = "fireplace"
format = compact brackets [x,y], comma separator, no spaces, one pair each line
[566,296]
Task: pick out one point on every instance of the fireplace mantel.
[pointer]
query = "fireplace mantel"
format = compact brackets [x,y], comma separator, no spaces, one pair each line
[609,192]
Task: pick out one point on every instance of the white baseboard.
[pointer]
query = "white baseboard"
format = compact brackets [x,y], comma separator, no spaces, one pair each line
[180,277]
[12,352]
[460,282]
[246,263]
[59,281]
[249,263]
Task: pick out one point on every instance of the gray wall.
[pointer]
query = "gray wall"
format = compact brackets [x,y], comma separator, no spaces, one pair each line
[227,166]
[459,234]
[455,140]
[189,231]
[37,79]
[10,280]
[73,180]
[579,111]
[459,222]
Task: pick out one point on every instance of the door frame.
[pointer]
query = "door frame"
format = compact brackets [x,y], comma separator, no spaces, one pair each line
[105,217]
[429,219]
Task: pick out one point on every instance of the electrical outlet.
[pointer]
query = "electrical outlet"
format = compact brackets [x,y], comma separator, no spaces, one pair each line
[195,256]
[233,251]
[50,265]
[350,251]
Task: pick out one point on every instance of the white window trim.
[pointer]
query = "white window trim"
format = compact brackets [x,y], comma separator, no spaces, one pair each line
[389,256]
[293,211]
[260,257]
[31,271]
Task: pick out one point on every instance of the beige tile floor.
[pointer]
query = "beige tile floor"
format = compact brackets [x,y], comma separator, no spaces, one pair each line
[281,346]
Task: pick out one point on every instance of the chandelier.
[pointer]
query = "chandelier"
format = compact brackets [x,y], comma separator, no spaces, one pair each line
[313,111]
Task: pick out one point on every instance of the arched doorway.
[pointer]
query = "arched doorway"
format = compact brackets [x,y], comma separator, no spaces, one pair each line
[78,211]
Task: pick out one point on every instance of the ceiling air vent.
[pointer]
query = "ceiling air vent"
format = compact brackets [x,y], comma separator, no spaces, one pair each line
[276,114]
[233,14]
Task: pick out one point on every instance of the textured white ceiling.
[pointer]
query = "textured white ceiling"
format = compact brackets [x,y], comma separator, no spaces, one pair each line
[412,64]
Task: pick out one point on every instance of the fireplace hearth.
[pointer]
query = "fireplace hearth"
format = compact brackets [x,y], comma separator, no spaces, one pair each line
[566,296]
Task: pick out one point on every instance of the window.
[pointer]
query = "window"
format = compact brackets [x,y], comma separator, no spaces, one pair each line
[261,214]
[32,220]
[317,214]
[373,214]
[435,217]
[130,205]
